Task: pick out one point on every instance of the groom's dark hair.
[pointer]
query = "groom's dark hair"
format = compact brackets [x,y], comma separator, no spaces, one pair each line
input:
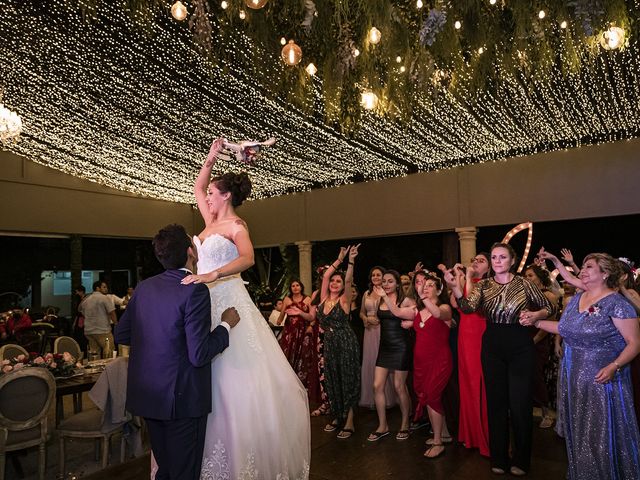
[170,246]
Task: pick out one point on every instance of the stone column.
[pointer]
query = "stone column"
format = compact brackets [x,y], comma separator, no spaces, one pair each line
[75,265]
[305,265]
[467,239]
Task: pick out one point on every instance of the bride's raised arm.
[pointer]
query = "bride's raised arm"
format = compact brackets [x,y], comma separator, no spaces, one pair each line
[202,182]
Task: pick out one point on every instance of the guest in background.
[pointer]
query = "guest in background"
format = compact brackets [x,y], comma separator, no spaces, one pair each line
[394,357]
[78,321]
[299,338]
[508,355]
[354,317]
[432,361]
[601,337]
[341,356]
[542,341]
[405,281]
[274,316]
[324,408]
[371,343]
[99,313]
[473,430]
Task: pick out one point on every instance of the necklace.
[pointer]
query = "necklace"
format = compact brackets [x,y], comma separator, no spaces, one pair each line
[332,303]
[423,320]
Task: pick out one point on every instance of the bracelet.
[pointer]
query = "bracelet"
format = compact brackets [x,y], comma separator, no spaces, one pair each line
[350,263]
[618,367]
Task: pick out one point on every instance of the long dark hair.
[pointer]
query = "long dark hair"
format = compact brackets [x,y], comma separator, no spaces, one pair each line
[399,291]
[296,280]
[377,267]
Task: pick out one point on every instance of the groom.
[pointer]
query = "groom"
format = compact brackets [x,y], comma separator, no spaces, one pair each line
[169,382]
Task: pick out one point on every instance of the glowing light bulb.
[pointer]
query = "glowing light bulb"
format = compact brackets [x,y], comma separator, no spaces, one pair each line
[563,24]
[398,59]
[541,14]
[458,25]
[612,38]
[242,14]
[403,68]
[369,100]
[179,11]
[311,69]
[492,2]
[224,5]
[419,4]
[256,4]
[356,52]
[481,50]
[374,35]
[283,41]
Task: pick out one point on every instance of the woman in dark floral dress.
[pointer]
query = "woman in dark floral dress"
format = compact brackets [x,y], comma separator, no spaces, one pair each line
[299,338]
[341,350]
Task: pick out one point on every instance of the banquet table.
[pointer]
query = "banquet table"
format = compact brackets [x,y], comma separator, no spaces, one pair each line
[76,385]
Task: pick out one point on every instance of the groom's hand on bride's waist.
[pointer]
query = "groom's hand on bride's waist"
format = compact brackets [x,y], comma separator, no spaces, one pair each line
[230,315]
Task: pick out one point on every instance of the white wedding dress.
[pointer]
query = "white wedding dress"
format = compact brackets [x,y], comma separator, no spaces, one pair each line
[259,427]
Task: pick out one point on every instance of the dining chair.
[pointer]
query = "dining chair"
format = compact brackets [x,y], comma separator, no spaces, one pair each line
[68,344]
[99,423]
[25,398]
[11,351]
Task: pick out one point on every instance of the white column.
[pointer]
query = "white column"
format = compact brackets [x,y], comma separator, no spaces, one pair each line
[467,239]
[304,260]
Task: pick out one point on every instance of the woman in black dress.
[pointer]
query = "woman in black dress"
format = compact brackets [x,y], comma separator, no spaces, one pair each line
[394,357]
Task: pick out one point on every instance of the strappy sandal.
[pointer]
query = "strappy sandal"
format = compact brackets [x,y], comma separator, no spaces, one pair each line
[402,435]
[345,433]
[375,436]
[321,410]
[443,438]
[435,445]
[330,427]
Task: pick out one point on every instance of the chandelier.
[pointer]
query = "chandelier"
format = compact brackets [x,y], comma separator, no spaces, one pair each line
[10,125]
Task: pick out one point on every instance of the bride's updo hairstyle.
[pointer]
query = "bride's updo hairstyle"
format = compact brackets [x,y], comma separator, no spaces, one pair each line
[238,184]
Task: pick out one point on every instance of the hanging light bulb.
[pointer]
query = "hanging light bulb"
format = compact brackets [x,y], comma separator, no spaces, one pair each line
[224,5]
[398,59]
[179,11]
[492,2]
[481,50]
[612,38]
[291,53]
[356,52]
[256,4]
[457,25]
[403,68]
[419,4]
[311,69]
[541,14]
[369,100]
[10,125]
[374,35]
[283,41]
[563,24]
[242,15]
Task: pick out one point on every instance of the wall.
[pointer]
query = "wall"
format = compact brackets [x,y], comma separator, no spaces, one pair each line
[593,181]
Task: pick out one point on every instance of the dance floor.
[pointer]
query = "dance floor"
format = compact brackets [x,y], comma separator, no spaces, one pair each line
[356,458]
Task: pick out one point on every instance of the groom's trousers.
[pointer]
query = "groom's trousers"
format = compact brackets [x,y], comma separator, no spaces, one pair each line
[177,447]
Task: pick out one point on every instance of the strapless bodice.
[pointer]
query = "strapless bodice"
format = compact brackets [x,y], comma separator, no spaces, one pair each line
[215,252]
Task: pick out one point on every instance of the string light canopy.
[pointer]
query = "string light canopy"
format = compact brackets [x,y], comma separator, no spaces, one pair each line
[10,125]
[131,99]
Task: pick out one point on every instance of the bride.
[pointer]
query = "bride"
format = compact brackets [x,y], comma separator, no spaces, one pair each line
[259,425]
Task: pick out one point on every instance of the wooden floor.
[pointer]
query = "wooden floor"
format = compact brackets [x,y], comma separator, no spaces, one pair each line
[356,458]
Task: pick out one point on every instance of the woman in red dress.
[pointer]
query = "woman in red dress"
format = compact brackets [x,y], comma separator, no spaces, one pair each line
[299,338]
[473,430]
[432,360]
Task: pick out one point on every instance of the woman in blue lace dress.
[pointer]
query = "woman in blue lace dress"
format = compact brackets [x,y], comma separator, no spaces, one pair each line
[601,336]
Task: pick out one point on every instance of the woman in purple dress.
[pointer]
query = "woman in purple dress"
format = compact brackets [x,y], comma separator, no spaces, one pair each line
[601,336]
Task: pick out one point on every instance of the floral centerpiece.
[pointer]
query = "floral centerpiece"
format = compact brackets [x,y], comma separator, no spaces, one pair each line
[60,365]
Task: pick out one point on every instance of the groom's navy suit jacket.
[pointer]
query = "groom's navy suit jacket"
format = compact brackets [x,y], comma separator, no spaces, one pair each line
[167,325]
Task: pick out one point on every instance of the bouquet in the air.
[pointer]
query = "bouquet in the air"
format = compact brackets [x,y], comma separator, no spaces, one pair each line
[245,151]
